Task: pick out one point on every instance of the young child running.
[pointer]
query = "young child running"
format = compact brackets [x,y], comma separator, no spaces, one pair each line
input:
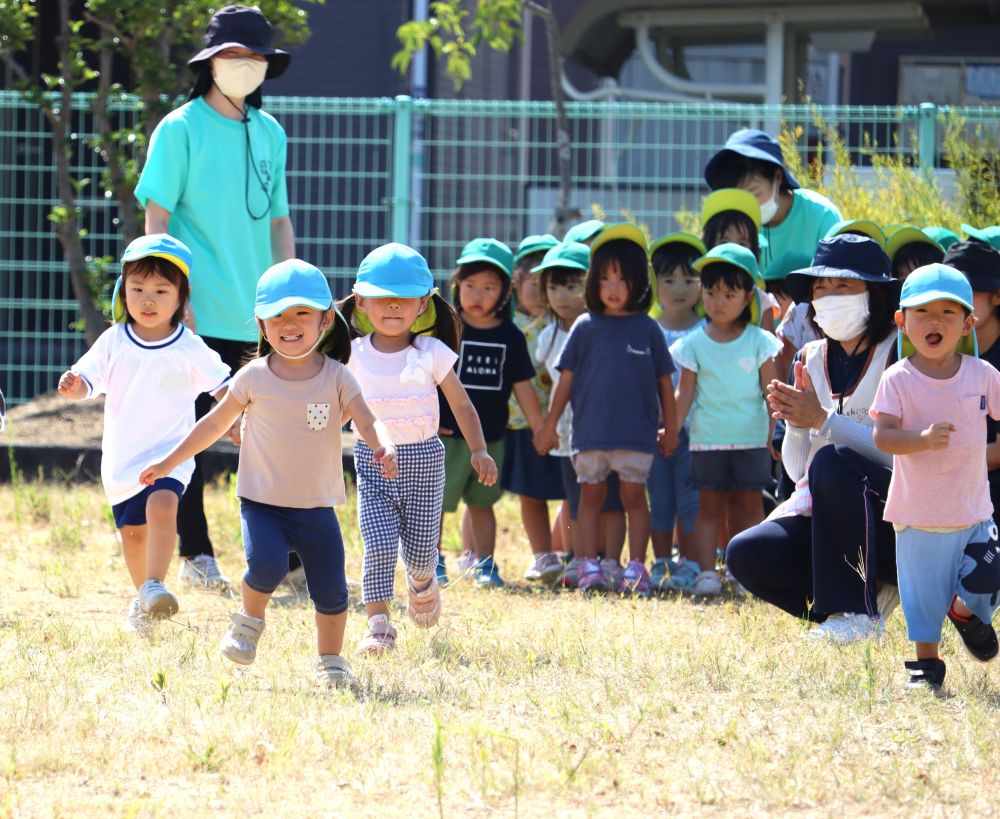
[493,362]
[725,367]
[151,367]
[615,350]
[407,350]
[294,397]
[930,414]
[672,496]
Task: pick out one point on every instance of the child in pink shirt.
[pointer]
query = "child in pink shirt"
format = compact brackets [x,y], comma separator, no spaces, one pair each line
[930,414]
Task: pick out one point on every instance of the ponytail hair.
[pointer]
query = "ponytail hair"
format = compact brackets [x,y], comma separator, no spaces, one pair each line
[438,320]
[335,343]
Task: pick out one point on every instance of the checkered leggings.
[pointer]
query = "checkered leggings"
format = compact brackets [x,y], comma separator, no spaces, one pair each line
[399,515]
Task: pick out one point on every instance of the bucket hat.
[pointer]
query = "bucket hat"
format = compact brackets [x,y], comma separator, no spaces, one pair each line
[848,256]
[242,27]
[751,144]
[978,261]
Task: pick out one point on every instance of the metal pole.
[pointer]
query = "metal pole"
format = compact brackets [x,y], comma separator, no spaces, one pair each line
[401,179]
[926,137]
[418,90]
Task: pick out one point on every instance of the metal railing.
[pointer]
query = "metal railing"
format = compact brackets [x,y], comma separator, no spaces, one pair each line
[429,173]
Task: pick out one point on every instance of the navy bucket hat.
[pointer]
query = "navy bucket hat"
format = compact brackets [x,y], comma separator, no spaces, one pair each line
[750,144]
[848,256]
[244,27]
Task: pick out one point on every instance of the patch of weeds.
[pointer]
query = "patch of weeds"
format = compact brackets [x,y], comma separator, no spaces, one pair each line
[207,759]
[66,537]
[56,578]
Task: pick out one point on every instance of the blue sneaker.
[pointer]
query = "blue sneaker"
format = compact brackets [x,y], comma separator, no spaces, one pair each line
[488,575]
[662,568]
[441,572]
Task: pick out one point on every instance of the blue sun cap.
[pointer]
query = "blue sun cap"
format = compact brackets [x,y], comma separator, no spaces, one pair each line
[933,282]
[393,270]
[292,283]
[161,245]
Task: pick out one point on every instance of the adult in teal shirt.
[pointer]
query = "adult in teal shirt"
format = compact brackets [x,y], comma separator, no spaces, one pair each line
[215,178]
[793,218]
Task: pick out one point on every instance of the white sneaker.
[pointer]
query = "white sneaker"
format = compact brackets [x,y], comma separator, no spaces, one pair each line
[843,628]
[202,571]
[545,569]
[334,671]
[157,601]
[239,643]
[137,621]
[707,584]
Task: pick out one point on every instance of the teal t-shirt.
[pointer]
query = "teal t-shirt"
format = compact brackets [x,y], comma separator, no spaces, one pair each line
[811,216]
[196,168]
[728,410]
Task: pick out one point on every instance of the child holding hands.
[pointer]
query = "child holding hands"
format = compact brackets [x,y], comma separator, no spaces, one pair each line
[152,368]
[930,414]
[294,398]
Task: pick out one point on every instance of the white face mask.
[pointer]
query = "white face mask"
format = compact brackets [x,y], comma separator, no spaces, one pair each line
[240,77]
[770,208]
[842,317]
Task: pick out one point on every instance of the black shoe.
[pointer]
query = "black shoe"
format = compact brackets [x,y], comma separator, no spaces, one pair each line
[925,673]
[979,638]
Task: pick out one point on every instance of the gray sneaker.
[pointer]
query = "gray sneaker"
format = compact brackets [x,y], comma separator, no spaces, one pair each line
[157,601]
[613,573]
[546,568]
[137,621]
[202,571]
[333,671]
[239,643]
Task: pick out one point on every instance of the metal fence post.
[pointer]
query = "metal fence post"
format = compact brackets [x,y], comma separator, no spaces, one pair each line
[402,144]
[926,137]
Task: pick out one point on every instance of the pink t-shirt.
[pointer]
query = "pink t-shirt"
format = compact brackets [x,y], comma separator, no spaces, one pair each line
[941,487]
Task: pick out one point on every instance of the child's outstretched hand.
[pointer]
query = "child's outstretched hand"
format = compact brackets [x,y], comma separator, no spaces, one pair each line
[152,473]
[72,386]
[936,435]
[485,467]
[667,441]
[385,456]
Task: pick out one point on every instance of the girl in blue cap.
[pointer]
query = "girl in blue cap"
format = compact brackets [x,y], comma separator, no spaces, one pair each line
[294,397]
[151,367]
[405,352]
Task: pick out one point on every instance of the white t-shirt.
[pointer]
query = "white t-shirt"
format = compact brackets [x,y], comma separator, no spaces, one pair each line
[401,387]
[550,345]
[151,388]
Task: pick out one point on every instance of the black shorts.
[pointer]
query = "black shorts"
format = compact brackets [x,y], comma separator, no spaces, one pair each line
[739,470]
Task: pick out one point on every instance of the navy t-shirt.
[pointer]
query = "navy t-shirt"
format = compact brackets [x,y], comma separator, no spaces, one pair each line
[616,362]
[490,362]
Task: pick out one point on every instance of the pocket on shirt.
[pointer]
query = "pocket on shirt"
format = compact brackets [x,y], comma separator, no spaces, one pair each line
[972,408]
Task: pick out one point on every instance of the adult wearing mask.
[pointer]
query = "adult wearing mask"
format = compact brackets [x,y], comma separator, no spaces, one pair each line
[215,178]
[826,554]
[793,218]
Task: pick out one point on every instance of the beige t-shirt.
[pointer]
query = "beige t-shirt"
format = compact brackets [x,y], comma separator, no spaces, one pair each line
[291,450]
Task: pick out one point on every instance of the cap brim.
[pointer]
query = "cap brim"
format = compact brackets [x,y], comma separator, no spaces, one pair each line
[266,311]
[920,299]
[477,257]
[170,257]
[799,282]
[402,291]
[679,238]
[559,263]
[628,232]
[277,60]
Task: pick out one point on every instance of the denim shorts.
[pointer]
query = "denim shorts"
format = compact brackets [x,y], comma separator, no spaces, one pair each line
[672,495]
[736,470]
[271,532]
[132,512]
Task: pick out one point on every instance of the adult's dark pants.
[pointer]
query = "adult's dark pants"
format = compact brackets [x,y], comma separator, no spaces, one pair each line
[192,527]
[831,562]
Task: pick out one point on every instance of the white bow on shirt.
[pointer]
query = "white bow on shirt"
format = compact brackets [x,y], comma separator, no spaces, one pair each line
[418,364]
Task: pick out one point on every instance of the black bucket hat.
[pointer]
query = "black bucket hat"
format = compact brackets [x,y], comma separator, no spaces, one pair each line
[241,27]
[751,144]
[978,261]
[847,256]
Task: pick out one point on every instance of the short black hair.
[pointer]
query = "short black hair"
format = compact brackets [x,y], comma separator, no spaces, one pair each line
[731,276]
[716,227]
[674,255]
[917,254]
[634,265]
[736,168]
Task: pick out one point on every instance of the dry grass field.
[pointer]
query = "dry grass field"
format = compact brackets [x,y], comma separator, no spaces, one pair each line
[522,702]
